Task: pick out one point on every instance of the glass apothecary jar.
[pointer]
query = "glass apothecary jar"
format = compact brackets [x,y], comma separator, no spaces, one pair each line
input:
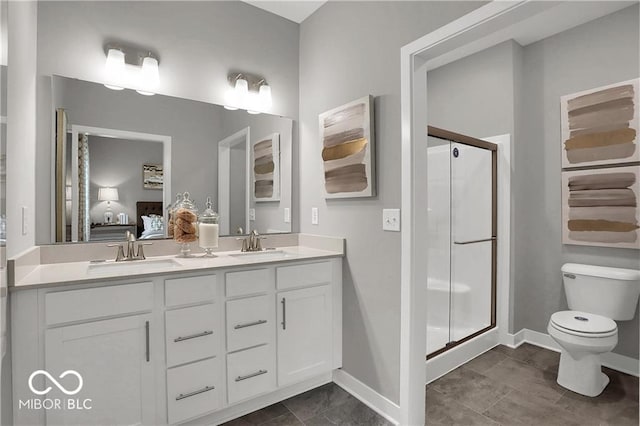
[185,224]
[208,229]
[171,210]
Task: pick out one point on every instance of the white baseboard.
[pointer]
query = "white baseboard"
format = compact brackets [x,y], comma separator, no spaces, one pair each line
[369,397]
[612,360]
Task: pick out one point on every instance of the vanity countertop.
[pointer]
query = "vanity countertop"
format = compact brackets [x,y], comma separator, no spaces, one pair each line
[57,274]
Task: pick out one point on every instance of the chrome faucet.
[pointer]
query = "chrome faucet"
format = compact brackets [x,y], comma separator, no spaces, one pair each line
[252,242]
[130,254]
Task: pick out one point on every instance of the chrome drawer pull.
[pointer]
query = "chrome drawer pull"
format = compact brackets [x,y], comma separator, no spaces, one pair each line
[248,376]
[187,395]
[193,336]
[250,324]
[474,241]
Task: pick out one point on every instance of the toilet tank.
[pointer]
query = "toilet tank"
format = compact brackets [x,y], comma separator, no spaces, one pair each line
[611,292]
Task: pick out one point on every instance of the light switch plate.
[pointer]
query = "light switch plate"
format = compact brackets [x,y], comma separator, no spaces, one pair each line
[391,220]
[314,216]
[287,215]
[252,214]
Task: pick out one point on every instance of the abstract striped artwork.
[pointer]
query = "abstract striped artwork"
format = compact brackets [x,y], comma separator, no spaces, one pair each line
[600,207]
[600,126]
[348,151]
[266,168]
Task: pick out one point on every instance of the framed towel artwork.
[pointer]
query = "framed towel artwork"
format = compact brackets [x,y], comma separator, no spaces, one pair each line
[600,126]
[600,207]
[152,176]
[348,150]
[265,171]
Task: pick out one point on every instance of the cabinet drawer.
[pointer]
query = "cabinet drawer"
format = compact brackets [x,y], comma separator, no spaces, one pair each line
[191,334]
[182,291]
[89,303]
[303,275]
[194,389]
[251,372]
[248,282]
[250,322]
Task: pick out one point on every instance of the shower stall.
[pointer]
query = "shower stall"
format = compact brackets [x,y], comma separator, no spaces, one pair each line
[462,245]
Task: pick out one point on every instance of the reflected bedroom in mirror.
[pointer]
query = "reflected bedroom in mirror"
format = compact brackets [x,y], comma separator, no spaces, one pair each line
[121,159]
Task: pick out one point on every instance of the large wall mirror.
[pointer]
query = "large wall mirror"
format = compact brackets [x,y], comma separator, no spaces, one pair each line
[120,158]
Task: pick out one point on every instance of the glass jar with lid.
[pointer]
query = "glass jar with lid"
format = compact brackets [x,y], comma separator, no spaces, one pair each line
[171,210]
[185,229]
[208,229]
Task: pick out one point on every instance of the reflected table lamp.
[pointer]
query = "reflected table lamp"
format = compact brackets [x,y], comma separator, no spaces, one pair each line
[108,195]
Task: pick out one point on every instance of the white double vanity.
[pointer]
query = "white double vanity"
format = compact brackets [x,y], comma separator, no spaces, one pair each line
[188,341]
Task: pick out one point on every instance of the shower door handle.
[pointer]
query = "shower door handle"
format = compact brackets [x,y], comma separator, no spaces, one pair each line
[462,243]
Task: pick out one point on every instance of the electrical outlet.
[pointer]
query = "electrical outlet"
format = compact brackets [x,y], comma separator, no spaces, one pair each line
[252,214]
[287,215]
[314,216]
[391,220]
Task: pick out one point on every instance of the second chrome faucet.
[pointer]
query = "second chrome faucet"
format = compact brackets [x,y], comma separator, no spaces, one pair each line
[252,242]
[130,253]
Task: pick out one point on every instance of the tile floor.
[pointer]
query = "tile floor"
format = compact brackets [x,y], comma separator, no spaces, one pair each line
[501,387]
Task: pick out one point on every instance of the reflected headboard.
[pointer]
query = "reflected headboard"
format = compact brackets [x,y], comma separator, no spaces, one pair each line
[146,208]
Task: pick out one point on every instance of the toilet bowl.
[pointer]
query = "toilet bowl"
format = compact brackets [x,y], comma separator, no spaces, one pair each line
[596,295]
[582,338]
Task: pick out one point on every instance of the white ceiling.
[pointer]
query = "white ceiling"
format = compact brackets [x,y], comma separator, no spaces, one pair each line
[293,10]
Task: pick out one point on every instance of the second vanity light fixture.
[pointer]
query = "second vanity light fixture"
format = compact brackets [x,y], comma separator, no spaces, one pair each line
[143,76]
[239,96]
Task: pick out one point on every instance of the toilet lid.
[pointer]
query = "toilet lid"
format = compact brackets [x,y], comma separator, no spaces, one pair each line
[583,322]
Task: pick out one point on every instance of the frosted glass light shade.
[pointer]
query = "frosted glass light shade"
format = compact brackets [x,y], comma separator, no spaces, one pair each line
[108,194]
[265,96]
[114,68]
[241,90]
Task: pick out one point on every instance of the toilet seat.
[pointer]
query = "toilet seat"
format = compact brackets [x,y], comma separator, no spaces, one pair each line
[583,324]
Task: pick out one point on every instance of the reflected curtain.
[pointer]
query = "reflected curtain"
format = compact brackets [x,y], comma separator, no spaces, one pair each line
[84,219]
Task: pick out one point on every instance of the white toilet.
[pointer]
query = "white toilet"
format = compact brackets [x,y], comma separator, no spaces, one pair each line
[597,296]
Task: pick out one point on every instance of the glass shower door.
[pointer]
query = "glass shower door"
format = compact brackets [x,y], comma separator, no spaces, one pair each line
[472,240]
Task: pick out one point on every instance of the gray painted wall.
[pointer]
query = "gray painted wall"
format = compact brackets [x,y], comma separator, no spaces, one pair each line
[601,52]
[349,50]
[474,95]
[118,163]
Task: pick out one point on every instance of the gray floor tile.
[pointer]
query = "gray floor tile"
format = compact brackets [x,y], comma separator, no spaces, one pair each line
[518,408]
[260,416]
[624,381]
[627,417]
[485,361]
[610,407]
[537,383]
[317,401]
[442,410]
[319,420]
[287,419]
[472,389]
[354,413]
[534,355]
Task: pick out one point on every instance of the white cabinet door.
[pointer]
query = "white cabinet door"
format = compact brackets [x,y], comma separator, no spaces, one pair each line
[304,333]
[113,358]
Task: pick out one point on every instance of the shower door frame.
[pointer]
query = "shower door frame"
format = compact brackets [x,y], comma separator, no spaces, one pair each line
[478,143]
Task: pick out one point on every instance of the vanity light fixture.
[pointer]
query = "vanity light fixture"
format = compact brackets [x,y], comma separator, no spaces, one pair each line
[239,96]
[142,75]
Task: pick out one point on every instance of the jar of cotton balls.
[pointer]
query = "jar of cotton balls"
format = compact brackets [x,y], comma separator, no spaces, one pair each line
[208,231]
[185,224]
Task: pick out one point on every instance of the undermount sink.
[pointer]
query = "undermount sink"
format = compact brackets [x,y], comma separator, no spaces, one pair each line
[262,255]
[137,266]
